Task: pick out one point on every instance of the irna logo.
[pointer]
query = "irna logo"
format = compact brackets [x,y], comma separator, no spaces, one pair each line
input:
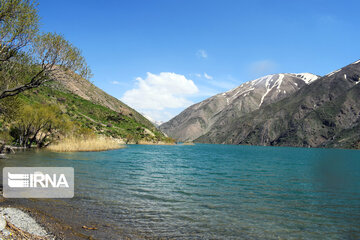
[37,179]
[42,182]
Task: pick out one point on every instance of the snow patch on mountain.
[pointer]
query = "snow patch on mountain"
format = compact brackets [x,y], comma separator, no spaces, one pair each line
[279,81]
[268,88]
[307,77]
[332,73]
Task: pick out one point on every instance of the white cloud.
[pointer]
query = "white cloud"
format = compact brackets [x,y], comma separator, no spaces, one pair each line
[159,92]
[261,68]
[223,85]
[201,53]
[115,82]
[227,83]
[208,76]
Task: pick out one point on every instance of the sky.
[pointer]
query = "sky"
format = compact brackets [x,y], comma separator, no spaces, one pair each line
[161,56]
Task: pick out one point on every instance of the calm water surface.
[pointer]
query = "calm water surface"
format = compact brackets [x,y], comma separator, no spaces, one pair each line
[216,191]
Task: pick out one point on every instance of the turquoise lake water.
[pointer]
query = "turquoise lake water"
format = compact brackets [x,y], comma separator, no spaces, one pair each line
[216,191]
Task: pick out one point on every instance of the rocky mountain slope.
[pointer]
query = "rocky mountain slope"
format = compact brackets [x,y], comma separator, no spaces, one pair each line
[325,113]
[201,118]
[88,91]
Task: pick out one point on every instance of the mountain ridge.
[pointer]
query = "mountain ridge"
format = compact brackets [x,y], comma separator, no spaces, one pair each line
[321,114]
[249,96]
[286,109]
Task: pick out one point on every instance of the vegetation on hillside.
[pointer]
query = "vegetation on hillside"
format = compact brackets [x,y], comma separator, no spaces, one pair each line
[47,115]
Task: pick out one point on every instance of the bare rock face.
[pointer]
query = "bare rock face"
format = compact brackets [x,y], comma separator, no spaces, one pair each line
[224,108]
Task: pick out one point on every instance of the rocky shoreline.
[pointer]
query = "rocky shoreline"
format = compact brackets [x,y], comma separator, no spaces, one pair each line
[26,219]
[25,223]
[59,220]
[17,224]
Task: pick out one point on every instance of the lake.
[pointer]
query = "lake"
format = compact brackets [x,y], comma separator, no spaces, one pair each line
[212,191]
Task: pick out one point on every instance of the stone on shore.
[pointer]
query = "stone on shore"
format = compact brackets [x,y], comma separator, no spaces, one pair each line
[2,223]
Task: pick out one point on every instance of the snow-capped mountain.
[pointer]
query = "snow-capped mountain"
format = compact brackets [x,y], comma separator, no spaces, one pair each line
[156,123]
[325,113]
[199,118]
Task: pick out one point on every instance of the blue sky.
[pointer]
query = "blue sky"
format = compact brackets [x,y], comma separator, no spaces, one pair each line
[160,56]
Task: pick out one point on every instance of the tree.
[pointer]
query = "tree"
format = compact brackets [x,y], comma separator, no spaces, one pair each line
[39,125]
[28,58]
[19,23]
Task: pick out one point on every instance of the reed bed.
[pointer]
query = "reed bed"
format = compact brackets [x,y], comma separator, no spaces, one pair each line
[93,144]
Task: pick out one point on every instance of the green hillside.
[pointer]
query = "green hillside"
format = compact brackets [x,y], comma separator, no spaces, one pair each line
[89,116]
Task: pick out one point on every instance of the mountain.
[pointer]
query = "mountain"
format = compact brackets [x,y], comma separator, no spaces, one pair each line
[325,113]
[201,118]
[93,109]
[88,91]
[156,123]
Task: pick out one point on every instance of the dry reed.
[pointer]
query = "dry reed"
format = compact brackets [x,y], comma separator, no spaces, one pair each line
[93,144]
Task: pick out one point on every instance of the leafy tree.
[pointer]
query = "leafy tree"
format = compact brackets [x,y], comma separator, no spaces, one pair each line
[29,58]
[39,124]
[19,23]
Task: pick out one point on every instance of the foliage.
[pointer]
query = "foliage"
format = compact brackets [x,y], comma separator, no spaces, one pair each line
[27,57]
[51,49]
[19,23]
[39,124]
[10,108]
[5,136]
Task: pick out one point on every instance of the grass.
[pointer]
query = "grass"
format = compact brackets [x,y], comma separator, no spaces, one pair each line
[92,144]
